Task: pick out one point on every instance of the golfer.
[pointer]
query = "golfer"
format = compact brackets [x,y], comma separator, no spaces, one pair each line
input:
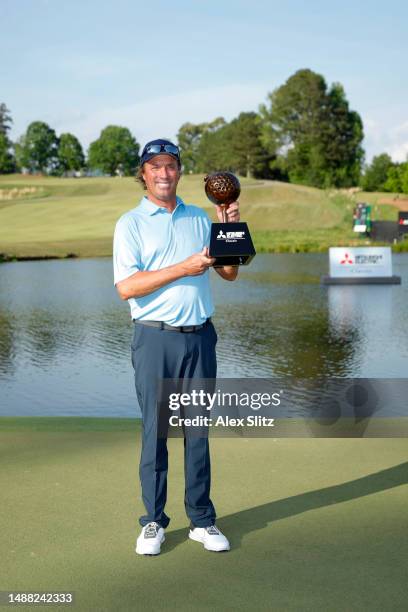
[161,266]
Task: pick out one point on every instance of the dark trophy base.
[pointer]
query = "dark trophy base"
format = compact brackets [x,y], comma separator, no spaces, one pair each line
[231,244]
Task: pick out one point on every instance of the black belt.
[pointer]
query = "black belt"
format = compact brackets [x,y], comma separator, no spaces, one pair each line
[182,328]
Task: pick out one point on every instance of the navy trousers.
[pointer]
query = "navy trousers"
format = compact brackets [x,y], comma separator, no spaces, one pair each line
[158,354]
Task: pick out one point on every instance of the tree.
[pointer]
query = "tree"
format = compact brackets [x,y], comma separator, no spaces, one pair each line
[342,135]
[236,146]
[70,153]
[213,149]
[404,177]
[37,150]
[393,182]
[7,163]
[5,119]
[115,150]
[313,132]
[189,138]
[397,178]
[375,175]
[247,154]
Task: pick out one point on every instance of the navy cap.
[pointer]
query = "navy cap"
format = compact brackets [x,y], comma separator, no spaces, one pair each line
[159,146]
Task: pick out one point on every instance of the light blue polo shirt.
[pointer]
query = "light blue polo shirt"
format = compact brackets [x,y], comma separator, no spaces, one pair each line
[148,237]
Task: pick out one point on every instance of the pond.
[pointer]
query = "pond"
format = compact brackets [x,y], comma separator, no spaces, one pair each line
[65,334]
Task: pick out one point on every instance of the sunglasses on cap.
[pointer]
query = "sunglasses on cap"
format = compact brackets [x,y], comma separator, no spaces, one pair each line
[159,148]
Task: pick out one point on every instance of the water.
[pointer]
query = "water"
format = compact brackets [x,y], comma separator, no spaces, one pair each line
[65,335]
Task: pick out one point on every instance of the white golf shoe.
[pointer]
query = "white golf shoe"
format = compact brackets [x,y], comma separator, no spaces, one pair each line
[150,539]
[211,537]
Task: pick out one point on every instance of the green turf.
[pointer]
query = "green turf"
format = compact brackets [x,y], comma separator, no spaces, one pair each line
[60,217]
[314,524]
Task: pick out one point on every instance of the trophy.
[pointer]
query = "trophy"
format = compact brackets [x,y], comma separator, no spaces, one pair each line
[230,243]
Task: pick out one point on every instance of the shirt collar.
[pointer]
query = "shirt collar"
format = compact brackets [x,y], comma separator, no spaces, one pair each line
[151,208]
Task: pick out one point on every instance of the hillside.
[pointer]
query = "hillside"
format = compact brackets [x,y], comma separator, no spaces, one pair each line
[46,216]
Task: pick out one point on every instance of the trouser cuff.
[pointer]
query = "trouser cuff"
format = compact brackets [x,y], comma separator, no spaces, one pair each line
[207,524]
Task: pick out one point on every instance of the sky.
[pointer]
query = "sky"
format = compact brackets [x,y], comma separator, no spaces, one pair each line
[151,66]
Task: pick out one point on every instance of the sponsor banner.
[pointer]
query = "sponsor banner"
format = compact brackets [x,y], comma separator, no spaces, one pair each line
[362,218]
[360,261]
[403,222]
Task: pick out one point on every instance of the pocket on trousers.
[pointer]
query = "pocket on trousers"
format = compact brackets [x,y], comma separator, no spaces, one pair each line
[215,336]
[137,339]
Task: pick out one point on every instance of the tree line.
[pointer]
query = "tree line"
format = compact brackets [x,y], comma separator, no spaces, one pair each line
[385,175]
[304,133]
[40,150]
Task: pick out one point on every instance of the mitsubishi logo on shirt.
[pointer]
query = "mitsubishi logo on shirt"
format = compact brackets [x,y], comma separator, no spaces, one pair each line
[347,259]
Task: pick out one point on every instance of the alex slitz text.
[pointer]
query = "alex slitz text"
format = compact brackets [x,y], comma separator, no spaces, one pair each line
[221,421]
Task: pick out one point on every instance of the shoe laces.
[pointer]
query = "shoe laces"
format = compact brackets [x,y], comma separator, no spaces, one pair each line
[212,530]
[151,530]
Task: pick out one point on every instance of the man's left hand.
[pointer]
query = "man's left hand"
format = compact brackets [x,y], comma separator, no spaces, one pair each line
[232,211]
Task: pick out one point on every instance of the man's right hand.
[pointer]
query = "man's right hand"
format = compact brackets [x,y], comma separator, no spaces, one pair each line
[146,281]
[198,263]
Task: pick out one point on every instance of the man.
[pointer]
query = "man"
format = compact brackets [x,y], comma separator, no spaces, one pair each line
[161,266]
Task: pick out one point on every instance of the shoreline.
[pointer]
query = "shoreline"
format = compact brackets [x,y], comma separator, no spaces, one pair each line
[401,247]
[5,258]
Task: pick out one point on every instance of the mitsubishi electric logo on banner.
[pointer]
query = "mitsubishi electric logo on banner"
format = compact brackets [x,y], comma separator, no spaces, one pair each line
[230,236]
[360,261]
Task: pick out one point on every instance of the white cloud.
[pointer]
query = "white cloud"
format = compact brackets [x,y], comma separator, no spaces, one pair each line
[161,116]
[381,137]
[400,152]
[399,147]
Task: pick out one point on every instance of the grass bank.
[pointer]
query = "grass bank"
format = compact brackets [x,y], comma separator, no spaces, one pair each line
[44,217]
[314,524]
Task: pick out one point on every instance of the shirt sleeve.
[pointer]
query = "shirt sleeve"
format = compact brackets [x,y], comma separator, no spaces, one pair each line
[126,250]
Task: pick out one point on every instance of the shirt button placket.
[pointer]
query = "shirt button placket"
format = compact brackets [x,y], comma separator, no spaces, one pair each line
[173,231]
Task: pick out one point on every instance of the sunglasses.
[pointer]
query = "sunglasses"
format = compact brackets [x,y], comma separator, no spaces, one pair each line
[159,148]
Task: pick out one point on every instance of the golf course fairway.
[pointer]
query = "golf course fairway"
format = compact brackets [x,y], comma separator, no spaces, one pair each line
[314,524]
[44,216]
